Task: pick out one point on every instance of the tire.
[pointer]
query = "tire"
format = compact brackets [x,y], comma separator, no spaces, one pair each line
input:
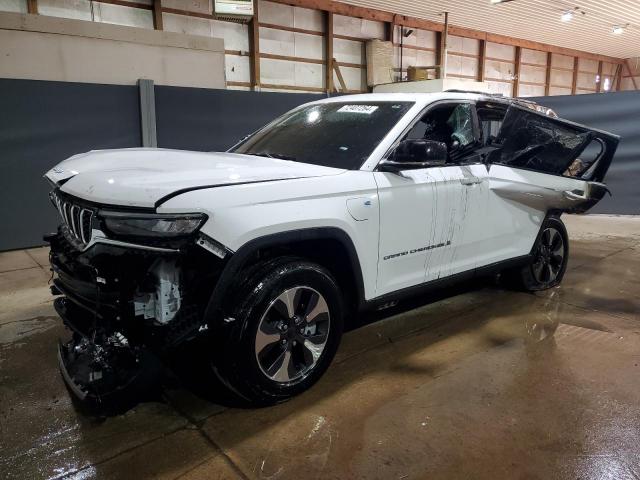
[550,256]
[286,311]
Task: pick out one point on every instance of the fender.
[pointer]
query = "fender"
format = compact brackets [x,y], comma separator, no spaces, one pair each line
[239,260]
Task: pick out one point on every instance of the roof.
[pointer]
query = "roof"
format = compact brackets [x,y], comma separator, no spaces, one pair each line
[425,99]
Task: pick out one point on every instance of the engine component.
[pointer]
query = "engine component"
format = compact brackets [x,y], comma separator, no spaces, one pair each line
[162,304]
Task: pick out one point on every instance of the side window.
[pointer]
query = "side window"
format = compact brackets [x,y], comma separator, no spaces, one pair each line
[585,164]
[451,124]
[490,117]
[531,140]
[461,123]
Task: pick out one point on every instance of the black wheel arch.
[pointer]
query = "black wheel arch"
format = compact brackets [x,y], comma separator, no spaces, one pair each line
[341,259]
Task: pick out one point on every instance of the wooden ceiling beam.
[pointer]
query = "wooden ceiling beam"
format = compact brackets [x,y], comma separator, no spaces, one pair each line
[403,20]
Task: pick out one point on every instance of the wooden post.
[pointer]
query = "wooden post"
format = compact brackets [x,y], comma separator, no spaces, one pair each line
[599,77]
[618,77]
[482,60]
[32,6]
[516,73]
[254,49]
[574,82]
[442,59]
[633,79]
[547,82]
[328,38]
[389,28]
[157,15]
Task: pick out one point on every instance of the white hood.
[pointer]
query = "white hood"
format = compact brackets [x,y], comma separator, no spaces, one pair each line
[142,176]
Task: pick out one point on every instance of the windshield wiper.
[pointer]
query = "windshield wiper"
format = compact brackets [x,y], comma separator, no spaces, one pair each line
[273,155]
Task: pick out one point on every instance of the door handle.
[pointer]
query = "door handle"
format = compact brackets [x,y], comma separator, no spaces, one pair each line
[569,195]
[470,181]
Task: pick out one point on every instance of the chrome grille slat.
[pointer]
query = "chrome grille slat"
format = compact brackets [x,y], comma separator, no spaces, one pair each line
[74,226]
[86,229]
[76,218]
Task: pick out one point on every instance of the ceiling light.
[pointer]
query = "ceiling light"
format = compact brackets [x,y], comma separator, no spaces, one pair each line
[617,30]
[567,16]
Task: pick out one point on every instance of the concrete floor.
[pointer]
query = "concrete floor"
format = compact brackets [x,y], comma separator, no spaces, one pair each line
[483,384]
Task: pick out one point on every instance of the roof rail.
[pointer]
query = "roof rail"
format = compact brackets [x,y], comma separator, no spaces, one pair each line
[459,90]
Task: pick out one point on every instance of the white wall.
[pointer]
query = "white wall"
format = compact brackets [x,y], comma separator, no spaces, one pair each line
[298,33]
[48,48]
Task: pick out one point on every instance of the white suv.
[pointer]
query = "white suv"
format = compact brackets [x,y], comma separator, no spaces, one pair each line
[340,205]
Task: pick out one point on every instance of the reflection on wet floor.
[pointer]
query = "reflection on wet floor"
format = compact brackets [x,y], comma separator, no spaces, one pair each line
[476,382]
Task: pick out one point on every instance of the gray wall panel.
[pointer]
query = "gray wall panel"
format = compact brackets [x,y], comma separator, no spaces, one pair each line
[618,113]
[214,120]
[41,124]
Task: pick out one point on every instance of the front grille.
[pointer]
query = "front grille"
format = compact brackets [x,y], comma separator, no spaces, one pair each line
[76,218]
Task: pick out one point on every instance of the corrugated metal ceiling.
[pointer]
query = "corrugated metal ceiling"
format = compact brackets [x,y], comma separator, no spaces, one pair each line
[537,20]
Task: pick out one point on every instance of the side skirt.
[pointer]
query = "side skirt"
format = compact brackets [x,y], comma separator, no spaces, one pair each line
[440,283]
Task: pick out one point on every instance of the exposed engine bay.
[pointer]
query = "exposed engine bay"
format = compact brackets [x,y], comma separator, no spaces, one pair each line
[126,308]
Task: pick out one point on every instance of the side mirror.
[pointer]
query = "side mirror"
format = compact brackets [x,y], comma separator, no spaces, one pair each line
[416,153]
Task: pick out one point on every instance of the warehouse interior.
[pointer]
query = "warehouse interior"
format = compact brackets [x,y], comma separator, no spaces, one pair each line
[475,380]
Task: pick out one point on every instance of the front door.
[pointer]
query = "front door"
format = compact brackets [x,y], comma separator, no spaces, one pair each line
[425,213]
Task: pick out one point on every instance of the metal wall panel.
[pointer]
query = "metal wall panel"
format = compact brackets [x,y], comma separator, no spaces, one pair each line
[15,6]
[75,9]
[42,123]
[122,15]
[214,120]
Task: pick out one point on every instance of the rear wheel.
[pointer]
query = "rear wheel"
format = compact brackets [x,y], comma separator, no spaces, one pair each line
[283,331]
[550,256]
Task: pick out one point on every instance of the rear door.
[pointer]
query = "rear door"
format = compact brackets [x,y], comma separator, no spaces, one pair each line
[561,163]
[540,163]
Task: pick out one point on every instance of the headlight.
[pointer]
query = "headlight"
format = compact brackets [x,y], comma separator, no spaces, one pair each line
[151,225]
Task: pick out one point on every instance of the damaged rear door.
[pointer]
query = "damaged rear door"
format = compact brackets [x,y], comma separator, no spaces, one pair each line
[536,164]
[548,163]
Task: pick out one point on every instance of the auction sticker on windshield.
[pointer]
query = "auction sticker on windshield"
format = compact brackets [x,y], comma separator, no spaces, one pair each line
[366,109]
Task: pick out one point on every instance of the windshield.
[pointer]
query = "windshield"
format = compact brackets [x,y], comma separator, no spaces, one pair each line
[340,135]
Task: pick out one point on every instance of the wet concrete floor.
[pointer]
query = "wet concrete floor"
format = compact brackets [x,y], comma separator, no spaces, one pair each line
[482,383]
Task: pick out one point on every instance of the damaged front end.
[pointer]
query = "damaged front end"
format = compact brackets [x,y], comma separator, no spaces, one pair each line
[130,286]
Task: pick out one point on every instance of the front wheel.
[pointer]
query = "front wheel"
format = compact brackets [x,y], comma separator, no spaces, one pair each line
[283,331]
[549,262]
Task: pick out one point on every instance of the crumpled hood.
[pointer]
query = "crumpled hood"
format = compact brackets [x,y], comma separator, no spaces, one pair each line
[143,176]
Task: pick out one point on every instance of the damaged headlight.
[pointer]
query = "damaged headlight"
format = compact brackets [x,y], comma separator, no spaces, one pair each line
[152,225]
